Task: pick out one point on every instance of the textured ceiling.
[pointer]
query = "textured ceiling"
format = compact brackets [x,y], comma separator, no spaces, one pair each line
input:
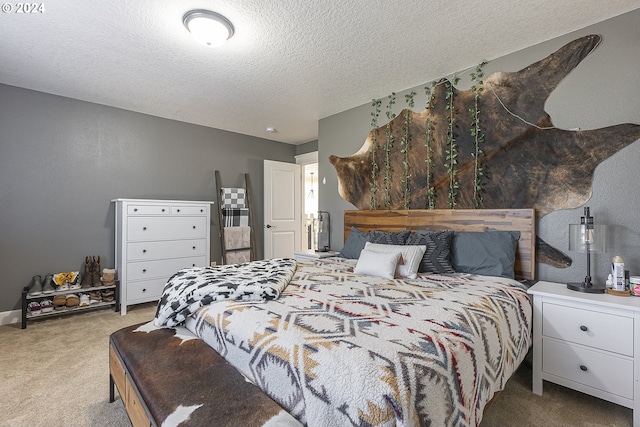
[289,64]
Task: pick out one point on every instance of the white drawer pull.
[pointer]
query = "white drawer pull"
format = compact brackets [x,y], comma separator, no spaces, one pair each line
[584,328]
[583,368]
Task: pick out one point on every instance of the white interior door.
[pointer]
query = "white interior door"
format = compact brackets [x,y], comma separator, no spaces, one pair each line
[282,209]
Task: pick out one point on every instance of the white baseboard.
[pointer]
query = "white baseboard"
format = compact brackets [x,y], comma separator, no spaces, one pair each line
[9,317]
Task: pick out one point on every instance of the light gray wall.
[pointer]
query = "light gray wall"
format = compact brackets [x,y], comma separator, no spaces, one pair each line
[602,91]
[307,147]
[63,160]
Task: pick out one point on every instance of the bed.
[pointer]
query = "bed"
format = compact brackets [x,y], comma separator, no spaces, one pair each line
[341,348]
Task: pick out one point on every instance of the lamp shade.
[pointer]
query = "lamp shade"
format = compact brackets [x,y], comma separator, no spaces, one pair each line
[207,27]
[587,238]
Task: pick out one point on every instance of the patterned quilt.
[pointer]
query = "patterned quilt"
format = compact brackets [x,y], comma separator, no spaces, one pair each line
[339,349]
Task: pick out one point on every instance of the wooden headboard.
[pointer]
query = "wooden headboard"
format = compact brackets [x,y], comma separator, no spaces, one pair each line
[522,220]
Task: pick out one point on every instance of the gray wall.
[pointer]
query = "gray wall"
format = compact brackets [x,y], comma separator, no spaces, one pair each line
[602,91]
[307,147]
[63,160]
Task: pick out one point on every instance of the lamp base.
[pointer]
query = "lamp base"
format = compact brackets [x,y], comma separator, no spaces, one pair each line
[586,287]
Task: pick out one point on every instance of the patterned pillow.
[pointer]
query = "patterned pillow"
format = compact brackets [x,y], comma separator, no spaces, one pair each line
[436,258]
[389,237]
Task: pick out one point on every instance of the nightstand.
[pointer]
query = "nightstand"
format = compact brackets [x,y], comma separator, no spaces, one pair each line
[311,255]
[586,342]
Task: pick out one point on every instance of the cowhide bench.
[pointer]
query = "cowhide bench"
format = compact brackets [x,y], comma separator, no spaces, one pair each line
[168,377]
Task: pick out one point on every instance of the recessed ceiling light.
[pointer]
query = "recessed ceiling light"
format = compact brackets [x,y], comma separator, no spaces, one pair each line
[272,130]
[207,27]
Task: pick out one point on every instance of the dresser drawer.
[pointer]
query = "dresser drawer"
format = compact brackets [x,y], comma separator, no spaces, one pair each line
[142,270]
[148,210]
[146,290]
[166,228]
[591,328]
[138,251]
[605,372]
[189,210]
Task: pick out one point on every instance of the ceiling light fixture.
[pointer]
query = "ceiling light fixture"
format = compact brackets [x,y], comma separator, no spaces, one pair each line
[207,27]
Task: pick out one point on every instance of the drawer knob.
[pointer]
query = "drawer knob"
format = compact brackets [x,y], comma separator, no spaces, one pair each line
[178,210]
[583,328]
[194,248]
[162,209]
[193,265]
[583,368]
[144,270]
[144,289]
[144,228]
[194,227]
[201,210]
[144,251]
[135,209]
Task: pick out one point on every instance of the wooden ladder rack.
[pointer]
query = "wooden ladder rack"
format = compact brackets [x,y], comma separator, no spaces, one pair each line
[248,203]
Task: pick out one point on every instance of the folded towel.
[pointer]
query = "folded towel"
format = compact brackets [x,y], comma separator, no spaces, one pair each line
[235,217]
[233,198]
[237,237]
[236,257]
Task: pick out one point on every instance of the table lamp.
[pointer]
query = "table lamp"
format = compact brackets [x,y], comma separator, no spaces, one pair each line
[587,237]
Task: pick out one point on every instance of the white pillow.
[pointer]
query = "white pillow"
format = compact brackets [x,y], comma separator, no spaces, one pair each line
[411,256]
[377,264]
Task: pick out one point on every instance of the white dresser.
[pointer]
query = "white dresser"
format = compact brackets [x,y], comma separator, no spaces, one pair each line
[153,240]
[587,342]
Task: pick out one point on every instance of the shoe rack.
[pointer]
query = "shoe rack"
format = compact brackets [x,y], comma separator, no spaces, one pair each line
[26,299]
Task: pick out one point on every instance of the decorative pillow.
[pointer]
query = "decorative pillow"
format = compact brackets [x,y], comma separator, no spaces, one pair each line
[377,264]
[490,253]
[354,244]
[436,258]
[411,257]
[389,237]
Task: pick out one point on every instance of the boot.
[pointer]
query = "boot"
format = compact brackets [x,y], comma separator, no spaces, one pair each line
[36,287]
[95,272]
[108,276]
[86,274]
[48,287]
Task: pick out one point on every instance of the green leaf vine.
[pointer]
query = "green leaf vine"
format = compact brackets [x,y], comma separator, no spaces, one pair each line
[405,143]
[451,151]
[387,148]
[476,132]
[373,150]
[429,140]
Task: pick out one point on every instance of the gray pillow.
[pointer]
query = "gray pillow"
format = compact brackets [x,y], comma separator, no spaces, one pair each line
[490,253]
[354,244]
[436,258]
[357,239]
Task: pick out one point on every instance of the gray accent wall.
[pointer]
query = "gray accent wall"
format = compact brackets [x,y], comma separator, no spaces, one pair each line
[62,161]
[603,90]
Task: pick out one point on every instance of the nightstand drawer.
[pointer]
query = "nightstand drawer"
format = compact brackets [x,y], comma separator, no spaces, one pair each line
[592,368]
[591,328]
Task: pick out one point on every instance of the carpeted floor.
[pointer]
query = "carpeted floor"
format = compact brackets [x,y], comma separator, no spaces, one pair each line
[56,373]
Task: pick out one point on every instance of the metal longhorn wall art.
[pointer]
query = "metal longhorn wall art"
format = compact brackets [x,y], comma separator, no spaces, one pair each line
[441,157]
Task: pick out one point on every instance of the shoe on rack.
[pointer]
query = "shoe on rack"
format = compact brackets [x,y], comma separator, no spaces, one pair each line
[108,276]
[108,295]
[84,300]
[59,302]
[36,286]
[72,301]
[86,274]
[95,271]
[34,308]
[48,287]
[46,305]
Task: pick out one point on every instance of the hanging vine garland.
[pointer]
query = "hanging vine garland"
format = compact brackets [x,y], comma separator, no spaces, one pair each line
[387,148]
[373,150]
[476,132]
[430,199]
[405,143]
[452,150]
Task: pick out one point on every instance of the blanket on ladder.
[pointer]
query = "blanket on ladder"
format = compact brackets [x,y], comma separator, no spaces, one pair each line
[192,288]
